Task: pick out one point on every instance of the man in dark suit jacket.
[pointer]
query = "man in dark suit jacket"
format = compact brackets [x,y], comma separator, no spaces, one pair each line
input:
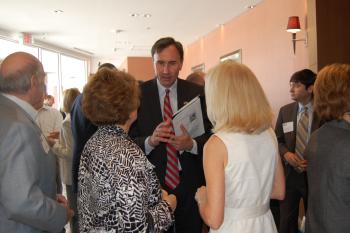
[289,115]
[152,133]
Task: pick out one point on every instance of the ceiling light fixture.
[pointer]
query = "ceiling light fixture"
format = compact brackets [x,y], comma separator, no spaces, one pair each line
[58,11]
[134,14]
[116,31]
[147,15]
[251,6]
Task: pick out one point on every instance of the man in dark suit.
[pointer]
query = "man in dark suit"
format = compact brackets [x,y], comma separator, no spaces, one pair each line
[154,134]
[292,142]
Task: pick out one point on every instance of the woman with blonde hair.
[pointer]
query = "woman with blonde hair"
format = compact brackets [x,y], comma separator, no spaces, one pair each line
[118,190]
[242,167]
[328,153]
[64,151]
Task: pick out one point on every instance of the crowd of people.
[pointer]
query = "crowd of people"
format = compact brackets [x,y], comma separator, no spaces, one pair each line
[124,168]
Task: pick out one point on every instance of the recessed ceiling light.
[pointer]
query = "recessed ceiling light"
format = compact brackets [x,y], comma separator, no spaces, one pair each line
[147,15]
[134,14]
[58,11]
[251,6]
[116,30]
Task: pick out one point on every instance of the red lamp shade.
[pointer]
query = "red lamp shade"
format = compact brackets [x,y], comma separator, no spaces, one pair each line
[293,24]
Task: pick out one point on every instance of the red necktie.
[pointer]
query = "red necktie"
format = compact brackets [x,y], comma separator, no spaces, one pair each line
[172,178]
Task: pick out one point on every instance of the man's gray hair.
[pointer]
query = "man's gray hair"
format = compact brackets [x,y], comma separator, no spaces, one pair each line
[19,80]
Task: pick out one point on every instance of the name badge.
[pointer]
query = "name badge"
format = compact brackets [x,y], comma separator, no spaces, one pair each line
[288,127]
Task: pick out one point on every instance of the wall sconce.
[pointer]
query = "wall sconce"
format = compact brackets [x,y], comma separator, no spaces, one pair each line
[294,27]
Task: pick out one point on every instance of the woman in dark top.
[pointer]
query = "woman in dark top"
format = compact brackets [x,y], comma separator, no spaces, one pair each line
[118,190]
[328,154]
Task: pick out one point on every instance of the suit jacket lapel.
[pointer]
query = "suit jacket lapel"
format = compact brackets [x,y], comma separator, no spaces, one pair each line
[181,94]
[12,104]
[295,121]
[315,122]
[155,102]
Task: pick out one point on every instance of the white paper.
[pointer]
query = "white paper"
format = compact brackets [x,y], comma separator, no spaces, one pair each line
[287,127]
[191,117]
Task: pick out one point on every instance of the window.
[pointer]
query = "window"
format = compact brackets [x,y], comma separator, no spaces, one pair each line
[7,47]
[62,71]
[51,67]
[73,72]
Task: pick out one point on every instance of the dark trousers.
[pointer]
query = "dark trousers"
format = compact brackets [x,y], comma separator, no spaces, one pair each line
[72,199]
[187,220]
[187,217]
[296,188]
[275,210]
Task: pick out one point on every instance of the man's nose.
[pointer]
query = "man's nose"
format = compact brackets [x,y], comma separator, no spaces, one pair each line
[166,68]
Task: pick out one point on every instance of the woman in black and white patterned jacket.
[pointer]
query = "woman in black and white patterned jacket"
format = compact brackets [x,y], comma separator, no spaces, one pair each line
[118,190]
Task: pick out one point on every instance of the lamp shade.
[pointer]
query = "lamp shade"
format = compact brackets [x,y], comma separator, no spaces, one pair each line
[293,24]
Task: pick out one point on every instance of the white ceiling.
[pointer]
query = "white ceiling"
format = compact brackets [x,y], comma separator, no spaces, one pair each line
[87,24]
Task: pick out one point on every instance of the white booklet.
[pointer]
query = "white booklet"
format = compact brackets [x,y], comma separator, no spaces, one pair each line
[191,117]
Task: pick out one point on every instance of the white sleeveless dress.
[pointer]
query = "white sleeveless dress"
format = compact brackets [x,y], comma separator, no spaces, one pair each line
[249,176]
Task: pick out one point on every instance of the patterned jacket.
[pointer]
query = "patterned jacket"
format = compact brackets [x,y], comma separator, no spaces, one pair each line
[117,187]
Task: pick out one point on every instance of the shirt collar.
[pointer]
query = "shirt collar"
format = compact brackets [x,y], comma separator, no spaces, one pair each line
[44,108]
[301,107]
[24,105]
[161,89]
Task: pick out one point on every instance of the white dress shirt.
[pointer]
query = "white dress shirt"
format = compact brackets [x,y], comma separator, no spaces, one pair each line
[174,104]
[49,120]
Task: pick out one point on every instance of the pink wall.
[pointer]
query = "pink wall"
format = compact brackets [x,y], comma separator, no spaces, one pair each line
[266,46]
[140,67]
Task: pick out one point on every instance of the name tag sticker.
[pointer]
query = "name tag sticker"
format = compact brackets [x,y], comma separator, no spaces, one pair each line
[287,127]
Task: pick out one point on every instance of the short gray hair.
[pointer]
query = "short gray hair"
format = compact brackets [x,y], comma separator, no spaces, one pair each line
[19,80]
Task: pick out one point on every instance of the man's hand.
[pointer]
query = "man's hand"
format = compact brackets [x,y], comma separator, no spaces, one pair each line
[302,166]
[52,138]
[162,133]
[54,135]
[294,160]
[182,142]
[170,199]
[63,201]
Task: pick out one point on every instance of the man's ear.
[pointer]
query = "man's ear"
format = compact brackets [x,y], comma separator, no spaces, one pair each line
[182,62]
[33,81]
[310,89]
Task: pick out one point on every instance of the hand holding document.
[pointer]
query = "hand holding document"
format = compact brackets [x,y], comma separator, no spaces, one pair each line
[191,117]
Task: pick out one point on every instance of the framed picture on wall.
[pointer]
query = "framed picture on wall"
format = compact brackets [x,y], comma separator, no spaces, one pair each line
[200,67]
[235,56]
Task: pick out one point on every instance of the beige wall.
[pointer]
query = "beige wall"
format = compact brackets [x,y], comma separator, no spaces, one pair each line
[140,67]
[124,65]
[266,46]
